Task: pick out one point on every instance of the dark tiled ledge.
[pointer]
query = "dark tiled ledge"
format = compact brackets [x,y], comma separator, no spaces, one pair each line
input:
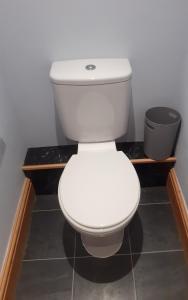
[44,165]
[61,154]
[49,155]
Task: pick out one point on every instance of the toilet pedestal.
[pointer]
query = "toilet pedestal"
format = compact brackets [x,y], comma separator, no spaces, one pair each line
[103,246]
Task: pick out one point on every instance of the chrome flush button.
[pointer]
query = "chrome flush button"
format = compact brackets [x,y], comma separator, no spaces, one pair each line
[90,67]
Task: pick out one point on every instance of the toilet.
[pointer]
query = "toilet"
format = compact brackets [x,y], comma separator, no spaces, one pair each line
[99,190]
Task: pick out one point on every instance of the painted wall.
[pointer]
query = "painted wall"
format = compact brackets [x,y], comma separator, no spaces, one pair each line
[12,152]
[34,33]
[182,149]
[152,34]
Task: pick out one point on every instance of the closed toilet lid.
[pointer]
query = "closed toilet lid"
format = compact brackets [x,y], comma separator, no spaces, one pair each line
[99,189]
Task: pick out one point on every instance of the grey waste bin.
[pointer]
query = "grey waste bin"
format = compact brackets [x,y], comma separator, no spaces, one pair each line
[160,132]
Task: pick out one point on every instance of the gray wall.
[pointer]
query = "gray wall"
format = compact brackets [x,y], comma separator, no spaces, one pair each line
[182,149]
[12,151]
[150,33]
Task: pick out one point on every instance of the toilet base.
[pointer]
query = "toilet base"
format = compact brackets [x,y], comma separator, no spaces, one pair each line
[103,246]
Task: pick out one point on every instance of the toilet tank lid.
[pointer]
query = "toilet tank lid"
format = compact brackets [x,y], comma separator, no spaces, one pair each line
[90,71]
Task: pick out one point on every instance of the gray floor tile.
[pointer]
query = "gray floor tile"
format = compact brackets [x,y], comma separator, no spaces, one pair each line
[161,276]
[153,229]
[50,236]
[125,248]
[99,279]
[45,280]
[154,195]
[81,251]
[46,202]
[158,275]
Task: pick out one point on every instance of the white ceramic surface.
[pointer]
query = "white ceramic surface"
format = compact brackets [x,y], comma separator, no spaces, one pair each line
[103,246]
[93,112]
[105,188]
[99,190]
[90,71]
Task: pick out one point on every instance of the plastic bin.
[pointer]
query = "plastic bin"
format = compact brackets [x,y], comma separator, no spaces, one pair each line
[160,132]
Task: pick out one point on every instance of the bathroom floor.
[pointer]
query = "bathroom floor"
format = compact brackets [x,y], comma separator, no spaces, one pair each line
[149,265]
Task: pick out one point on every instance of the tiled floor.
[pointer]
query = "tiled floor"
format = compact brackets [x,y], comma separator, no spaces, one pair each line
[149,265]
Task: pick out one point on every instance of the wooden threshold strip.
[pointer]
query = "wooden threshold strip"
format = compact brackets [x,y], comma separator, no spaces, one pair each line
[62,165]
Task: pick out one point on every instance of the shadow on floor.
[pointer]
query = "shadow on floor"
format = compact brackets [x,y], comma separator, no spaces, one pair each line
[121,264]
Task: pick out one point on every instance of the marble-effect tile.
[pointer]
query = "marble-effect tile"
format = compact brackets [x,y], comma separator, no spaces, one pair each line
[46,181]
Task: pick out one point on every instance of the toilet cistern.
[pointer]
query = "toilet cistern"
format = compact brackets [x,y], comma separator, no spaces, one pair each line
[99,189]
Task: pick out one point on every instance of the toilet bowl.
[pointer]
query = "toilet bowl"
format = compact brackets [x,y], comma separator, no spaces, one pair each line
[99,192]
[99,189]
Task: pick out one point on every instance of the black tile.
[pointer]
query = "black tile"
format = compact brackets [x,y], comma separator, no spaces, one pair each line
[50,237]
[50,155]
[42,280]
[125,248]
[154,195]
[153,229]
[61,154]
[154,174]
[98,279]
[46,202]
[161,276]
[45,181]
[133,150]
[81,251]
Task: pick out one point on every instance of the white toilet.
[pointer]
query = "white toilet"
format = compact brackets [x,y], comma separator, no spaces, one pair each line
[99,189]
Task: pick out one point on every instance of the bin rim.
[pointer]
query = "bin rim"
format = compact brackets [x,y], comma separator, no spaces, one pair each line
[160,123]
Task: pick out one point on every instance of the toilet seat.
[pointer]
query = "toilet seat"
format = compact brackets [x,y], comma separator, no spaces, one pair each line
[99,190]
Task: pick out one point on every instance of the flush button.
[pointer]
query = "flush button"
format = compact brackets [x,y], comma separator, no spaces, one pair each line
[90,67]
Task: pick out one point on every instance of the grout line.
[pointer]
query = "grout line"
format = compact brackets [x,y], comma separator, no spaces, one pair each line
[158,252]
[89,256]
[46,210]
[59,209]
[45,259]
[132,266]
[86,256]
[73,272]
[156,203]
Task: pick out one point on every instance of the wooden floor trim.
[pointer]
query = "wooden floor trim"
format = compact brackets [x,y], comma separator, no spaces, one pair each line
[43,167]
[151,161]
[62,165]
[179,207]
[12,261]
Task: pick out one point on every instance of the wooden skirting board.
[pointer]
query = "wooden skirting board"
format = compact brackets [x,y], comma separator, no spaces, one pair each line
[12,261]
[179,207]
[62,165]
